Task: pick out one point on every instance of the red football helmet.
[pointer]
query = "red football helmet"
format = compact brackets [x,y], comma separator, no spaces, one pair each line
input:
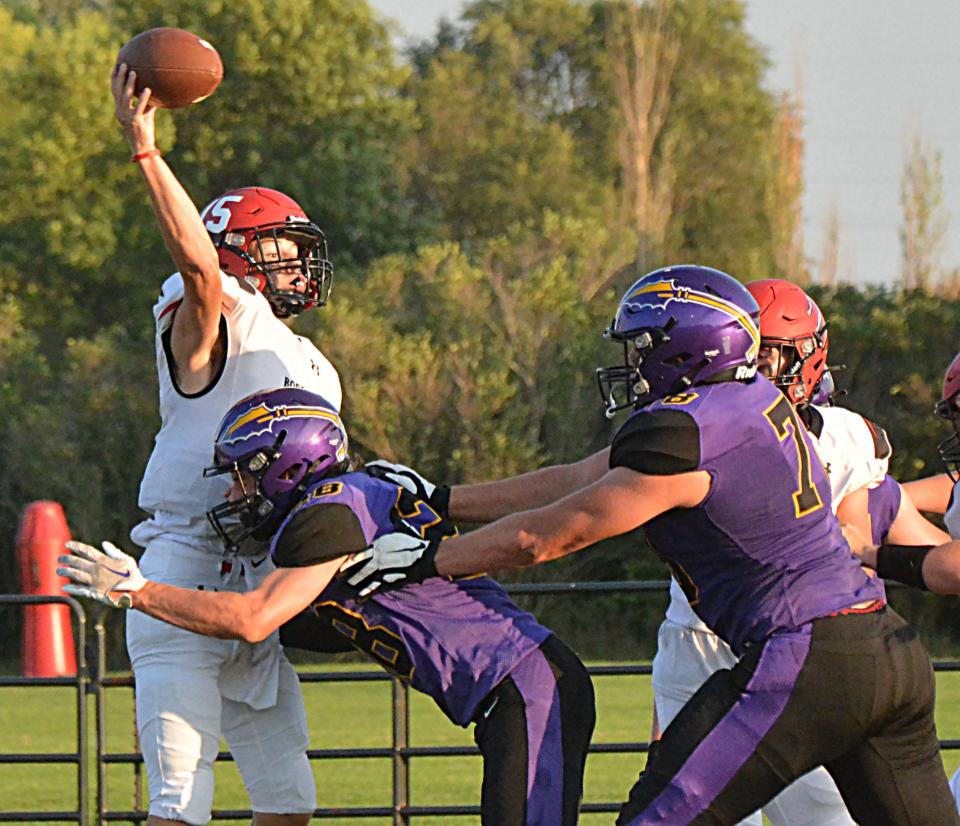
[949,405]
[239,221]
[792,322]
[949,408]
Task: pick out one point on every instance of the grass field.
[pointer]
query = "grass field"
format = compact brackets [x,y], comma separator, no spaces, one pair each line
[344,715]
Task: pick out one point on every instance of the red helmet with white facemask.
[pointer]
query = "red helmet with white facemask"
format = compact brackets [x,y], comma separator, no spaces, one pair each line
[252,229]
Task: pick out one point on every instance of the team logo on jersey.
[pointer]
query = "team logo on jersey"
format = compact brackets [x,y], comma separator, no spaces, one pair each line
[660,294]
[265,418]
[680,398]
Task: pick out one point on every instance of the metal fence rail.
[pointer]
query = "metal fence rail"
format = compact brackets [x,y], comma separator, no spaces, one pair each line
[95,681]
[80,684]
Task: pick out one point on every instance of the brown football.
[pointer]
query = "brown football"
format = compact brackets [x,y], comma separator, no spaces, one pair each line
[178,67]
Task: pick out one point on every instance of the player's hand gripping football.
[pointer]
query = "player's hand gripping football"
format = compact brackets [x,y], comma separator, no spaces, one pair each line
[136,116]
[106,576]
[436,496]
[392,561]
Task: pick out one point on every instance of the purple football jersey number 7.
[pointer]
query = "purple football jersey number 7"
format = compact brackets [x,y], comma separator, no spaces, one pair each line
[783,419]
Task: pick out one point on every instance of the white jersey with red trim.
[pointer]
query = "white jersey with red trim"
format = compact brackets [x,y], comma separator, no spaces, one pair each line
[262,354]
[854,452]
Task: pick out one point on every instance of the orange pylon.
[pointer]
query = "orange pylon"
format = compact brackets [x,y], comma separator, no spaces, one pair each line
[47,632]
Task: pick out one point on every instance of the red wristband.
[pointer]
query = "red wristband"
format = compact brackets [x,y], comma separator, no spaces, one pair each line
[143,155]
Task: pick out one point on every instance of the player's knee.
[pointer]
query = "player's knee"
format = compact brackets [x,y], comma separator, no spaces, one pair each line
[184,798]
[289,789]
[179,763]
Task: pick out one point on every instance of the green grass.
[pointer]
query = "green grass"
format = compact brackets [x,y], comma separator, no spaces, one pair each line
[342,715]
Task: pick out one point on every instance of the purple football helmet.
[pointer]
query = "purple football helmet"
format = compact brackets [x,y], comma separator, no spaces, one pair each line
[276,443]
[680,326]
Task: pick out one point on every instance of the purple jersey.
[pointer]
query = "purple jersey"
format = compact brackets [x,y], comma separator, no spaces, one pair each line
[454,640]
[763,552]
[883,505]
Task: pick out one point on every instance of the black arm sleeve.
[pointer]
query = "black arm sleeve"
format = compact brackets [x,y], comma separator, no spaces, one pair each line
[658,443]
[318,534]
[903,563]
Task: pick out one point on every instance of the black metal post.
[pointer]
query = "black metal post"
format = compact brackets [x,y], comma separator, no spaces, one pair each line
[401,741]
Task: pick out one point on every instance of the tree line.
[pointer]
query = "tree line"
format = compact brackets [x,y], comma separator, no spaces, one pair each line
[487,195]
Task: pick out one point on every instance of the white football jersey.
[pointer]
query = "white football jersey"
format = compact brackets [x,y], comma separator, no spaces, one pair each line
[262,354]
[854,452]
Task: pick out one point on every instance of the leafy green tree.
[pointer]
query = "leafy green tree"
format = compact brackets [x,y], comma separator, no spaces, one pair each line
[925,219]
[894,365]
[719,125]
[551,113]
[65,226]
[310,104]
[498,97]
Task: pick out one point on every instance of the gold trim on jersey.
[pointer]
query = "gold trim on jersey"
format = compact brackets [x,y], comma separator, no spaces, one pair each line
[791,428]
[377,647]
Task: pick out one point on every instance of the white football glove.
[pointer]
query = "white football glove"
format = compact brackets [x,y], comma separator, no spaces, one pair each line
[392,561]
[438,497]
[100,576]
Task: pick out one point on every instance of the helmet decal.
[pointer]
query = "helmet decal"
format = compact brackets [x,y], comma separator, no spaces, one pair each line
[659,295]
[269,415]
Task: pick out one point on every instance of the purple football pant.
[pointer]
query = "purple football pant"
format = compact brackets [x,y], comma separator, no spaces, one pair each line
[854,693]
[533,731]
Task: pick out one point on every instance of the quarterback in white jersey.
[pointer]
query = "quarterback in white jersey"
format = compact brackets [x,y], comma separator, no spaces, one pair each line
[855,453]
[252,258]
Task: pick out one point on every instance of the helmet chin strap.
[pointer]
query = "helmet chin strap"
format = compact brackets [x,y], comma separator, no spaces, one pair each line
[690,376]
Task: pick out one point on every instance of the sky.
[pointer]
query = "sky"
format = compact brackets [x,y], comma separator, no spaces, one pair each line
[873,73]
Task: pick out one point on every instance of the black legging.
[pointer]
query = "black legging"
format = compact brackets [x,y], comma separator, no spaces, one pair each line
[560,709]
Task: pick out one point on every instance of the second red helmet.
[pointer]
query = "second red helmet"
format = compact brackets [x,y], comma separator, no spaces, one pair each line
[791,322]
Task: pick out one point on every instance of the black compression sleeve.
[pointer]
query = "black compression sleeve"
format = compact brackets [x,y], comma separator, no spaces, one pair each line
[903,563]
[658,443]
[318,534]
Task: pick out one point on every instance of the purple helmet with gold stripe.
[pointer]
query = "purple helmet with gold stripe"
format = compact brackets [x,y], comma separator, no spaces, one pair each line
[680,327]
[275,443]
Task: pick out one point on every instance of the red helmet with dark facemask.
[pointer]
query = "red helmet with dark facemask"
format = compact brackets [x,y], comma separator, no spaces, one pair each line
[949,408]
[246,226]
[792,322]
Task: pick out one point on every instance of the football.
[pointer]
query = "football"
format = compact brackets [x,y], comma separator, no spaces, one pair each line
[178,67]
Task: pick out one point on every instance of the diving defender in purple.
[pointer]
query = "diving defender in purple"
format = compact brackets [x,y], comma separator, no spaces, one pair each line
[463,642]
